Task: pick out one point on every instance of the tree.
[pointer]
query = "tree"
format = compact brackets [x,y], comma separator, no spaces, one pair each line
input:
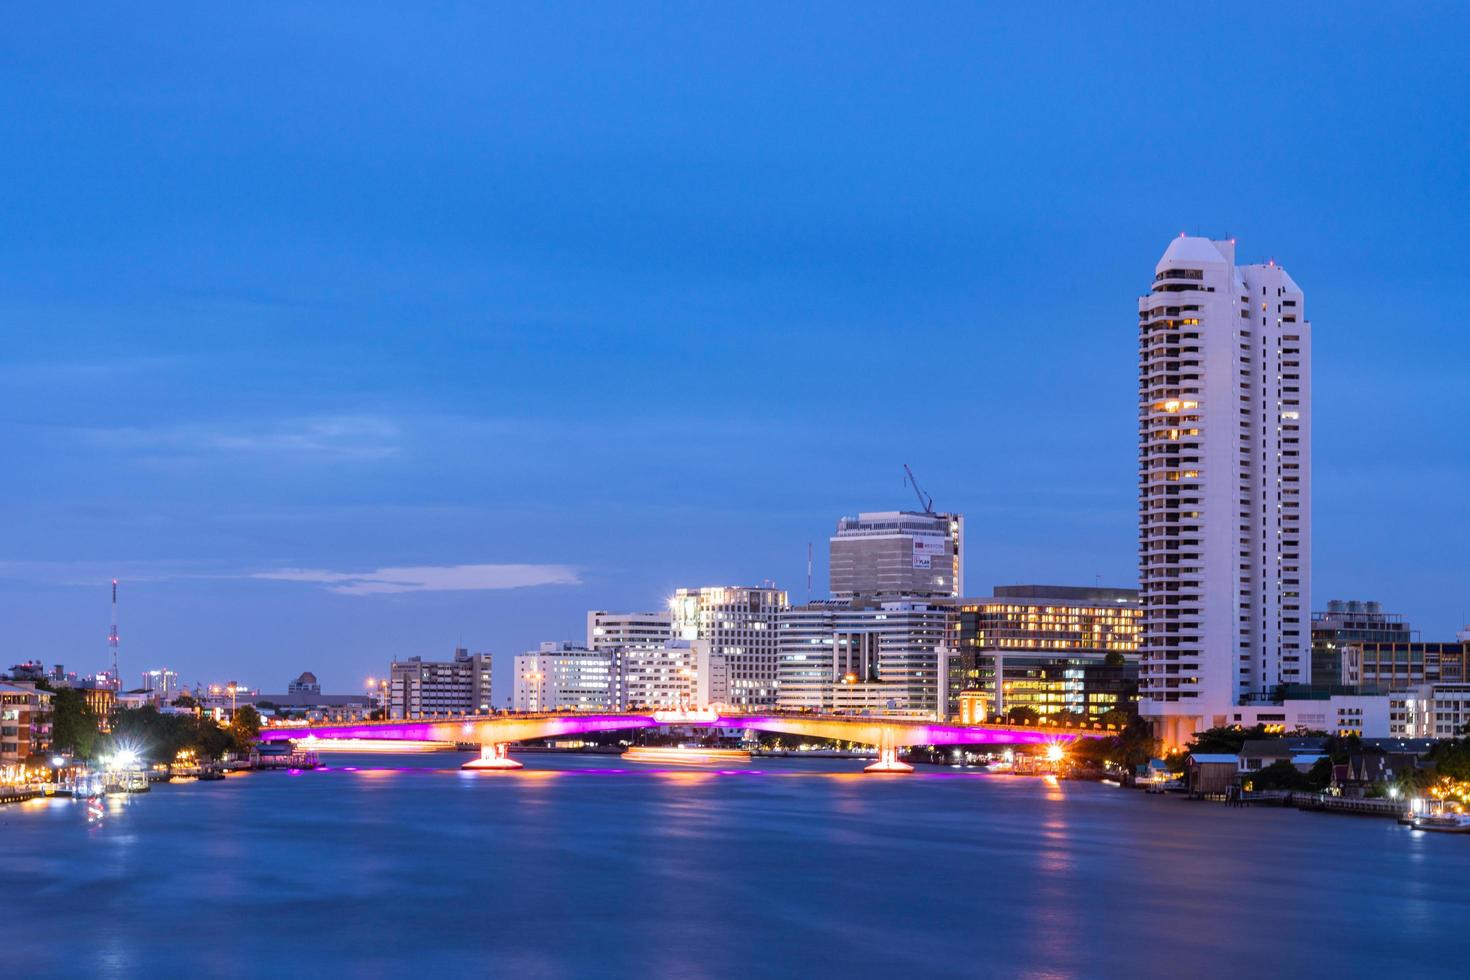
[1281,775]
[244,727]
[73,725]
[1226,740]
[1114,658]
[1022,715]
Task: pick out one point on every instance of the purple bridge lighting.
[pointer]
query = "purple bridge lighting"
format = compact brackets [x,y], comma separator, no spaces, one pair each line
[495,732]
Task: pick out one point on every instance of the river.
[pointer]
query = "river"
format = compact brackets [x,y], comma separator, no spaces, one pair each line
[394,866]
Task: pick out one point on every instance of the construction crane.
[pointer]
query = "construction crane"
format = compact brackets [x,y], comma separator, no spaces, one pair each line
[926,501]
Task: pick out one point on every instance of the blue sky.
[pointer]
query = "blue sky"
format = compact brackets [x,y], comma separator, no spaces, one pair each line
[637,296]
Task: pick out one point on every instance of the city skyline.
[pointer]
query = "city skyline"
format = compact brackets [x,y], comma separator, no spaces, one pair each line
[300,416]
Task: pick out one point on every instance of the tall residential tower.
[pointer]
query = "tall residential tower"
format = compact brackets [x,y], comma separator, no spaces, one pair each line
[1224,488]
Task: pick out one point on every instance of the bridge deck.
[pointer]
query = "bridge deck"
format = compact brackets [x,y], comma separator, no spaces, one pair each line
[866,729]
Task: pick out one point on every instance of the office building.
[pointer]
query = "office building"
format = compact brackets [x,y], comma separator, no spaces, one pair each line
[608,631]
[305,683]
[1347,623]
[622,636]
[1224,486]
[867,655]
[739,624]
[1054,649]
[419,688]
[664,676]
[896,554]
[564,677]
[1397,666]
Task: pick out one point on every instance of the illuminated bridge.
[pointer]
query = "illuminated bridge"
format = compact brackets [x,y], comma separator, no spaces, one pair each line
[495,732]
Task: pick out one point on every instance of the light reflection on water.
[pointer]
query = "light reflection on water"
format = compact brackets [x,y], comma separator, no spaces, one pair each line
[574,867]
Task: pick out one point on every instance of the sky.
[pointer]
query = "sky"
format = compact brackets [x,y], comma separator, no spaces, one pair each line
[345,332]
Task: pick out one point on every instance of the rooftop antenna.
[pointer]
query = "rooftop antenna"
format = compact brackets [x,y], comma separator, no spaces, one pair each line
[112,640]
[808,571]
[926,501]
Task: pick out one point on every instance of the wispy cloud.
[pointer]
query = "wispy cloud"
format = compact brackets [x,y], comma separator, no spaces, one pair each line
[428,578]
[349,437]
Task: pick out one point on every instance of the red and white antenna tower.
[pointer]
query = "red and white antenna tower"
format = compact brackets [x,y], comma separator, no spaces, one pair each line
[112,640]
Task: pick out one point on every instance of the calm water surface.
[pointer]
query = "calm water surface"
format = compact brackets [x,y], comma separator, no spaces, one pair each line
[568,869]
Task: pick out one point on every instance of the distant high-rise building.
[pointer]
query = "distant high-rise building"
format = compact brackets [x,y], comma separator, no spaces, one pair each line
[898,553]
[419,688]
[162,682]
[1224,486]
[564,676]
[739,623]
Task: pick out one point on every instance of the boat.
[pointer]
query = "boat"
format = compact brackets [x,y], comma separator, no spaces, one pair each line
[1445,821]
[688,755]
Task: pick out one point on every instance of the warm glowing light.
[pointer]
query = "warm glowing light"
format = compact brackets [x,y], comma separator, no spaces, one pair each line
[1055,752]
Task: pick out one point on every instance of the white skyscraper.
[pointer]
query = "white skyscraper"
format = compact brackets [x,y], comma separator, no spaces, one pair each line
[1224,486]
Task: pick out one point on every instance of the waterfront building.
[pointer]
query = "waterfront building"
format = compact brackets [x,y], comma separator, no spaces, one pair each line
[1055,649]
[867,654]
[663,676]
[25,722]
[1224,486]
[897,553]
[564,676]
[419,688]
[1346,623]
[739,624]
[1364,715]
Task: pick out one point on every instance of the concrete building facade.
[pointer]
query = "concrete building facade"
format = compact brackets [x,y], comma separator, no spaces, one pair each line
[419,688]
[867,654]
[739,624]
[564,677]
[897,553]
[1224,410]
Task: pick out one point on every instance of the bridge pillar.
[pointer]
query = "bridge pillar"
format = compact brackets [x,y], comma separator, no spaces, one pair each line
[888,761]
[493,756]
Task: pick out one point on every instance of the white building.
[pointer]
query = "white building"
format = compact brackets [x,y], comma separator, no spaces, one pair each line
[1224,486]
[890,655]
[897,553]
[739,623]
[663,676]
[610,630]
[564,676]
[419,688]
[623,636]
